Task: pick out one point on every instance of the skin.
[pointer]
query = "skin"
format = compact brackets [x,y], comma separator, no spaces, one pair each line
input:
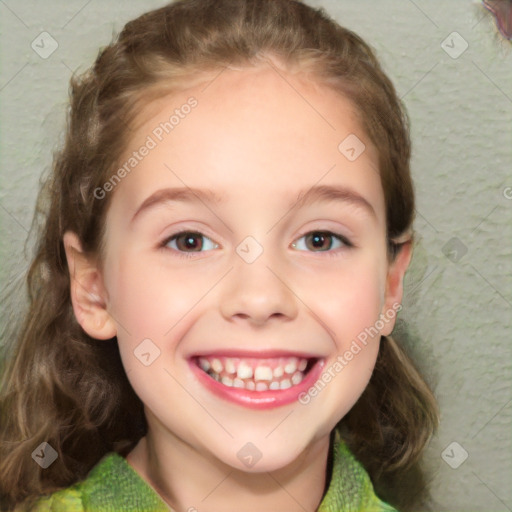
[258,136]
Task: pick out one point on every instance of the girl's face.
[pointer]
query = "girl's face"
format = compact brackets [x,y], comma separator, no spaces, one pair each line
[213,263]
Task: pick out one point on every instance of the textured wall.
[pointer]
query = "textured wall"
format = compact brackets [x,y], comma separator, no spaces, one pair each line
[458,301]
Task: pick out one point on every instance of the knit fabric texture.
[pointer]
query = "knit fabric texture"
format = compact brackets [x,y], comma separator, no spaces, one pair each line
[114,486]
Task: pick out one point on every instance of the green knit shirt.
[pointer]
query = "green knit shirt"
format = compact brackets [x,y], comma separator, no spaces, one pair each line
[114,486]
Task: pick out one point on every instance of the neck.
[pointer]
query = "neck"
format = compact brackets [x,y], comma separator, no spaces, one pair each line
[192,481]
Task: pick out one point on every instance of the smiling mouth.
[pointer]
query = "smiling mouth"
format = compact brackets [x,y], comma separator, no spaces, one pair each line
[256,374]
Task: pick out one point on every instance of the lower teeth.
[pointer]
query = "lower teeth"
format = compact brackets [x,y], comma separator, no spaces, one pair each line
[251,385]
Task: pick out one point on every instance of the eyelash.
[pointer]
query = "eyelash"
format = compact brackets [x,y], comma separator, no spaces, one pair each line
[182,254]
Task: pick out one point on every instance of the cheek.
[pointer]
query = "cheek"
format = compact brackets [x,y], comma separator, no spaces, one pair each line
[152,307]
[348,301]
[149,300]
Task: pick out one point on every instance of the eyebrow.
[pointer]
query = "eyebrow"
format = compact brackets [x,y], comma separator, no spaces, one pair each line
[318,193]
[185,194]
[329,193]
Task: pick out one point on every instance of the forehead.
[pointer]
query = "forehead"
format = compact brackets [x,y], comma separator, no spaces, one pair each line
[249,132]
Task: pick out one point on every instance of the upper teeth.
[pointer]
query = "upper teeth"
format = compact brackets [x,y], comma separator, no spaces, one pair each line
[279,371]
[255,374]
[263,373]
[216,365]
[230,366]
[291,366]
[244,371]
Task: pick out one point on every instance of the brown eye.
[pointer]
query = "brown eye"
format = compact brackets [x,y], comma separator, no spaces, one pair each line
[319,240]
[188,241]
[322,241]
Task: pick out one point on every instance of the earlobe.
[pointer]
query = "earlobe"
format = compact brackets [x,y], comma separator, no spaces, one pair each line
[87,291]
[395,284]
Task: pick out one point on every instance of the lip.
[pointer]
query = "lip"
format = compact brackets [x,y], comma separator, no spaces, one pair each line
[263,354]
[258,399]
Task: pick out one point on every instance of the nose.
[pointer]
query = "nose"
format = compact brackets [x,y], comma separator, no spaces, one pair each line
[258,292]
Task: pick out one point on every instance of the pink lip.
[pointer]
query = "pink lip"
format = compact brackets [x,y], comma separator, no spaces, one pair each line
[264,354]
[257,399]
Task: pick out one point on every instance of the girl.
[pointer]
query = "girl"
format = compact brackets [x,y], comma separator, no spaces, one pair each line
[227,228]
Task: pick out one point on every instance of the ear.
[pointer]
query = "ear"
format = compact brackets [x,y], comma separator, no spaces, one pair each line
[395,285]
[88,295]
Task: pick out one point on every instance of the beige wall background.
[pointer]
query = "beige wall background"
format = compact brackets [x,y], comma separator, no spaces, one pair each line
[454,74]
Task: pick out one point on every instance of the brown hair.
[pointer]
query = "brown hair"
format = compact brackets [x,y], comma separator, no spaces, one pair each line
[65,388]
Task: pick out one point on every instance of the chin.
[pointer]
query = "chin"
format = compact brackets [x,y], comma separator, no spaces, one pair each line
[264,455]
